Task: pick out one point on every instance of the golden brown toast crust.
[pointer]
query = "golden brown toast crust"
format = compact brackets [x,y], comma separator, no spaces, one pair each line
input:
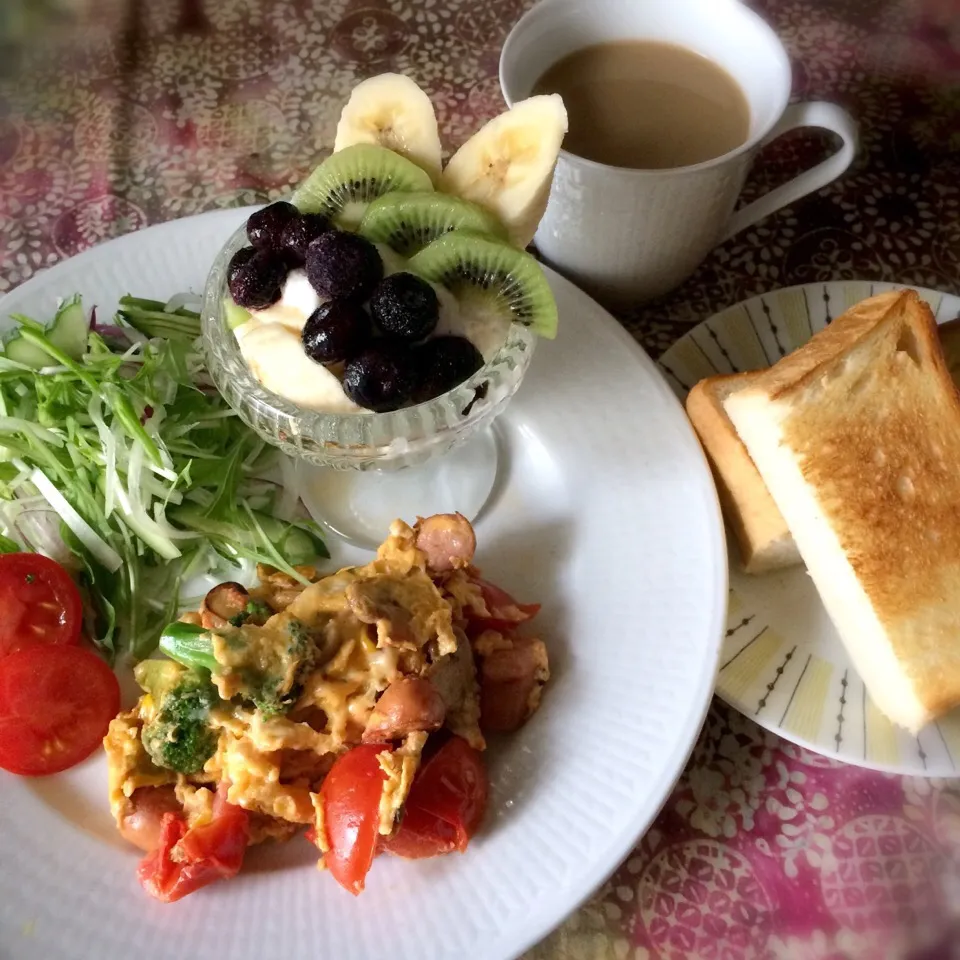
[949,334]
[873,419]
[761,532]
[827,346]
[764,540]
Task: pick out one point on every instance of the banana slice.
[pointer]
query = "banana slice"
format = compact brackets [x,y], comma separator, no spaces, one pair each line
[507,165]
[392,111]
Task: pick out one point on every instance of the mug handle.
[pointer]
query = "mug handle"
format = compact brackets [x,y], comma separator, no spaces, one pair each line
[817,113]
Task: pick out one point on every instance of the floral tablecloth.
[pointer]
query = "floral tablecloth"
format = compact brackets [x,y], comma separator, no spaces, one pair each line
[115,114]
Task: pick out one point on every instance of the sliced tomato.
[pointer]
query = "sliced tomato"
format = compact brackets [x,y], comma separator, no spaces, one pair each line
[188,859]
[56,703]
[223,841]
[420,835]
[505,612]
[445,806]
[157,872]
[351,794]
[453,786]
[39,603]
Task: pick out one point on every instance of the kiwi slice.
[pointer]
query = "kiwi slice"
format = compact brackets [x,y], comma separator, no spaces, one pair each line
[470,265]
[409,221]
[342,186]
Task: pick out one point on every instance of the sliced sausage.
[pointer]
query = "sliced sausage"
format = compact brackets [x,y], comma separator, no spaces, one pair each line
[221,604]
[141,825]
[511,681]
[447,540]
[408,705]
[454,677]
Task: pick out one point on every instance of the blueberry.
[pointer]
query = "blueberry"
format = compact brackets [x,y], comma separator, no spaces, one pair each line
[337,330]
[405,307]
[381,378]
[343,266]
[256,283]
[298,234]
[238,260]
[265,227]
[442,364]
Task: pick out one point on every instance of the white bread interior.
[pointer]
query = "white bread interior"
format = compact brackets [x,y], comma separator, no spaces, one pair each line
[857,438]
[764,540]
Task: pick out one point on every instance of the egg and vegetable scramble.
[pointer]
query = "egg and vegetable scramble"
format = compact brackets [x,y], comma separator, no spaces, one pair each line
[354,707]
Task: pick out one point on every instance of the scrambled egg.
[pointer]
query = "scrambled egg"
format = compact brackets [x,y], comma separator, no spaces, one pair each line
[128,765]
[400,766]
[370,625]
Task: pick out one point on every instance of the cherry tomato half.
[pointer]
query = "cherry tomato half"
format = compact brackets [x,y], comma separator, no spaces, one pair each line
[505,612]
[56,703]
[351,794]
[420,835]
[39,603]
[204,854]
[446,804]
[453,786]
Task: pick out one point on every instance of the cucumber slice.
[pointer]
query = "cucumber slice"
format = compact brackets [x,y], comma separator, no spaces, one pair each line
[70,328]
[295,543]
[68,333]
[29,354]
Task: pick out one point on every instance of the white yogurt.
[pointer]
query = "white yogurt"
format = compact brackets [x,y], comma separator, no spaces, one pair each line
[297,301]
[484,327]
[392,261]
[270,340]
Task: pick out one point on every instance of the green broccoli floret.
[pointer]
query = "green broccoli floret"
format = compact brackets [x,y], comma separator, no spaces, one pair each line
[253,612]
[276,689]
[179,736]
[262,665]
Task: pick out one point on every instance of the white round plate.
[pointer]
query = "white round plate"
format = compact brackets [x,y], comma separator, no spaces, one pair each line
[783,664]
[606,513]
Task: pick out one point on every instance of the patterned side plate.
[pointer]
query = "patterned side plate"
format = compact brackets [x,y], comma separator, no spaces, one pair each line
[783,663]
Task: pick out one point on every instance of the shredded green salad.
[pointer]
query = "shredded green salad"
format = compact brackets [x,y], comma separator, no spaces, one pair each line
[119,457]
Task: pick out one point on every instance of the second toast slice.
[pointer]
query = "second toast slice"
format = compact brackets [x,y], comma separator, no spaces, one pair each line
[857,437]
[763,537]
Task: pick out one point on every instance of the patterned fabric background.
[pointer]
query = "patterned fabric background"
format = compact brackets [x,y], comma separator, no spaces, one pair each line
[115,114]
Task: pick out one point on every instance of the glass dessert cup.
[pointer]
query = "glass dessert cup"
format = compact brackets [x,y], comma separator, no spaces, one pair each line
[358,471]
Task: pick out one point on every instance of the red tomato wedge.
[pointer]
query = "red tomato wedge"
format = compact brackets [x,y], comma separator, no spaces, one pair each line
[39,603]
[188,859]
[157,872]
[56,703]
[453,787]
[351,801]
[446,804]
[505,612]
[420,835]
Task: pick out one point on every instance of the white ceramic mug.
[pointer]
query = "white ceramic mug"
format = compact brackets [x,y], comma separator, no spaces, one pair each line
[635,234]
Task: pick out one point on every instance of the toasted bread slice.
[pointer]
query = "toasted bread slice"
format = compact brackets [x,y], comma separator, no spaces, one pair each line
[857,437]
[949,334]
[762,534]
